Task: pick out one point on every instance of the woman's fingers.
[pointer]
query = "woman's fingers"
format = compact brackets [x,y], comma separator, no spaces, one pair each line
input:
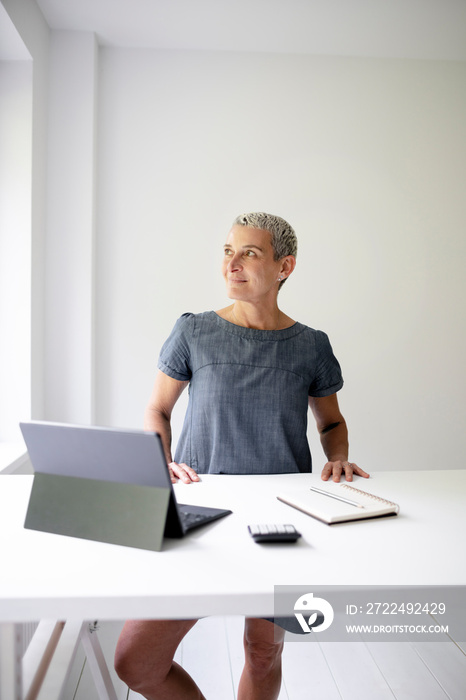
[183,472]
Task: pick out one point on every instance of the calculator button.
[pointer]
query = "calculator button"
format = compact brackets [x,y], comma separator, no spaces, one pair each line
[274,533]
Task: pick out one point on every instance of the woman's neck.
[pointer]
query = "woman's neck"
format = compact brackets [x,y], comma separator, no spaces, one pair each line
[250,316]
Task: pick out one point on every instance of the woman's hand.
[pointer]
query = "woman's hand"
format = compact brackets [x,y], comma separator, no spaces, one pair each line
[183,472]
[339,467]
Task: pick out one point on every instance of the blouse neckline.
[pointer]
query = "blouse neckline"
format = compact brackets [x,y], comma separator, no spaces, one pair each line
[256,333]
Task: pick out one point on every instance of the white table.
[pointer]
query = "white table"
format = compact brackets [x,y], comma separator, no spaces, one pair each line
[219,569]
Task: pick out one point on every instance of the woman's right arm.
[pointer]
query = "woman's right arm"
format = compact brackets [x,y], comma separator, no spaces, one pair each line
[165,394]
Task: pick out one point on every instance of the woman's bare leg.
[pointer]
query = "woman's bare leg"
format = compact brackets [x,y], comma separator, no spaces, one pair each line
[262,673]
[144,659]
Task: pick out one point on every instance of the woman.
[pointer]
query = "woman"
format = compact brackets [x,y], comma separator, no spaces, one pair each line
[253,371]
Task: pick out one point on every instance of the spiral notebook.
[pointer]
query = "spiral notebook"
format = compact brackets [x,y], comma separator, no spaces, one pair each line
[339,503]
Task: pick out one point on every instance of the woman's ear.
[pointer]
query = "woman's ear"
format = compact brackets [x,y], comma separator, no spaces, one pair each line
[288,265]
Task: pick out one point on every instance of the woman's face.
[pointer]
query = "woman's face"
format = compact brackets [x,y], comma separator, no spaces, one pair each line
[248,267]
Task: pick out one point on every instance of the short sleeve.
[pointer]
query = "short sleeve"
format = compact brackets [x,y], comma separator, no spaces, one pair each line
[328,378]
[175,355]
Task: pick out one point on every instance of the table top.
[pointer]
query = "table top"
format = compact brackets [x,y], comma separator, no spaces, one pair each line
[219,569]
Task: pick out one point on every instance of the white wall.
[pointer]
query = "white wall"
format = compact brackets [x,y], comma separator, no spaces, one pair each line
[33,29]
[15,244]
[365,158]
[69,284]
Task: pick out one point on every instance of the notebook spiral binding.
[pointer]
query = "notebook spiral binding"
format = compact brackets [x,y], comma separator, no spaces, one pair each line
[371,495]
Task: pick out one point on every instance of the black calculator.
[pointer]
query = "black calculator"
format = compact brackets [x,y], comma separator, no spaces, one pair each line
[274,533]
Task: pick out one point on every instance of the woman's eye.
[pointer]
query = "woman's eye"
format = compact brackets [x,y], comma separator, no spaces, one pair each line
[247,253]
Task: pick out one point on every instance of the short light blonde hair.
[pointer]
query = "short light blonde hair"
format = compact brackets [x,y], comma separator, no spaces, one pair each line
[284,241]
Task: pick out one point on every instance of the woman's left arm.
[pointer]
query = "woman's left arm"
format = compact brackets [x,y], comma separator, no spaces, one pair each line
[334,438]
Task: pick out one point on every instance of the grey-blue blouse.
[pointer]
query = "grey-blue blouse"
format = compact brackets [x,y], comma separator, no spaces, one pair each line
[248,393]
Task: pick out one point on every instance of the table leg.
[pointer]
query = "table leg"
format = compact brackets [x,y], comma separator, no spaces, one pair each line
[97,663]
[42,671]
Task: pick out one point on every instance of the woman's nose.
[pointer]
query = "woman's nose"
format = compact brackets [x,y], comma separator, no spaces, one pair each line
[235,262]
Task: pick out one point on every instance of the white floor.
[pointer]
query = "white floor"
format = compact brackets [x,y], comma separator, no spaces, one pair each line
[213,654]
